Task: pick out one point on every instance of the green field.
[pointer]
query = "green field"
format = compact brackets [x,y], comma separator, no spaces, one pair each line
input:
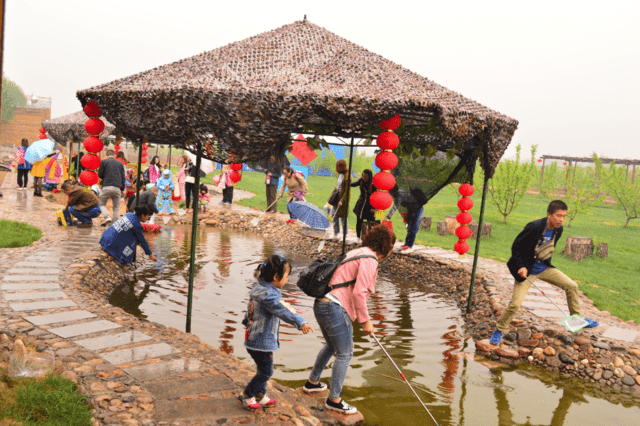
[612,283]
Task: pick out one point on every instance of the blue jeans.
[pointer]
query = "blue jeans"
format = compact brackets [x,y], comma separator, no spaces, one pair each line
[85,217]
[337,331]
[336,221]
[413,227]
[264,362]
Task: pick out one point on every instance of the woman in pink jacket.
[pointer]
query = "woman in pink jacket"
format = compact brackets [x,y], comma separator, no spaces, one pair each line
[340,307]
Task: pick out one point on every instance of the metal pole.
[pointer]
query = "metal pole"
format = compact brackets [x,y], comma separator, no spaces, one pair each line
[194,230]
[70,152]
[478,238]
[348,183]
[169,157]
[139,171]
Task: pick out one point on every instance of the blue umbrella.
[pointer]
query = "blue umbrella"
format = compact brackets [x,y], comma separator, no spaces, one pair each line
[308,213]
[38,150]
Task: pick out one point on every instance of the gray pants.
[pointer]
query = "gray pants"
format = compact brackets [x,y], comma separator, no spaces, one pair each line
[112,193]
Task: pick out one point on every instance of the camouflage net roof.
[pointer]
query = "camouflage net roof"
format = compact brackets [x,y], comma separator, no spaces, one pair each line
[248,97]
[71,128]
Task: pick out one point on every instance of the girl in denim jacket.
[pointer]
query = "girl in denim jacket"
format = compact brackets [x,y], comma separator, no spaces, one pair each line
[262,321]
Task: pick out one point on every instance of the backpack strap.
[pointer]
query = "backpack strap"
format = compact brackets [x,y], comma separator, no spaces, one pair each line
[353,281]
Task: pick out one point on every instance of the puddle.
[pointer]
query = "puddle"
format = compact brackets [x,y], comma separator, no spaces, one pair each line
[421,329]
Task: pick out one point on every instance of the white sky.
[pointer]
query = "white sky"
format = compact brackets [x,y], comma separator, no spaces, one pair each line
[568,71]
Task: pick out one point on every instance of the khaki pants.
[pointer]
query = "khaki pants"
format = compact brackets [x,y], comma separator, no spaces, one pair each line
[550,275]
[112,193]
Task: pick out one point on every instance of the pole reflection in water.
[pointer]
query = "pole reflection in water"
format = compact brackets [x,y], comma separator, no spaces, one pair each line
[421,329]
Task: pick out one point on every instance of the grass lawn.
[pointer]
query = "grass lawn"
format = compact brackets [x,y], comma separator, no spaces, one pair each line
[49,401]
[612,283]
[17,234]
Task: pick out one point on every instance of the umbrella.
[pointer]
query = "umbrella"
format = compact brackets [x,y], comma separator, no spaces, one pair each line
[302,152]
[206,166]
[308,213]
[38,150]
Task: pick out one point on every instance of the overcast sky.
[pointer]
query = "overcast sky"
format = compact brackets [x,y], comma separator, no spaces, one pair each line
[568,71]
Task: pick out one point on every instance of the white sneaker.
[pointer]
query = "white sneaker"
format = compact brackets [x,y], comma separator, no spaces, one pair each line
[407,250]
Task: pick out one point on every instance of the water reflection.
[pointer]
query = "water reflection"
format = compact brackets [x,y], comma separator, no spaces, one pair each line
[421,330]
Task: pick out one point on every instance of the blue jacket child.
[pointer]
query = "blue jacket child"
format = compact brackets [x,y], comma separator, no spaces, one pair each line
[122,237]
[262,320]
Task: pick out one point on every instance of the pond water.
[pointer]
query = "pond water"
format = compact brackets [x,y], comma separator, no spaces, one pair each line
[421,330]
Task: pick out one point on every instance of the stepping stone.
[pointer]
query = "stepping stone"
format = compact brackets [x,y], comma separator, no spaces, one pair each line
[617,333]
[548,314]
[84,328]
[163,370]
[36,306]
[29,286]
[432,251]
[30,271]
[112,340]
[168,411]
[138,353]
[190,386]
[450,256]
[59,317]
[27,278]
[535,305]
[35,295]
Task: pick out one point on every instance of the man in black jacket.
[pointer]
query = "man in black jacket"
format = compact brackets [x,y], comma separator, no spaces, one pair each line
[531,257]
[147,198]
[112,173]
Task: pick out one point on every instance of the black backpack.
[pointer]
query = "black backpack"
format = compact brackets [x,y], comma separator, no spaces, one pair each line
[315,278]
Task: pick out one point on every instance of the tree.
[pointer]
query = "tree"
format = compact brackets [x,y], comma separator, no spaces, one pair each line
[582,194]
[550,182]
[614,180]
[12,97]
[510,182]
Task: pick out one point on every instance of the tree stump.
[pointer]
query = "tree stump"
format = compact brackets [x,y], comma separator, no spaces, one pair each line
[486,229]
[443,231]
[452,224]
[602,250]
[581,248]
[426,223]
[571,240]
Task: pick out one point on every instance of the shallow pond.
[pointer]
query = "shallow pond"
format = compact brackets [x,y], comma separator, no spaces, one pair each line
[422,331]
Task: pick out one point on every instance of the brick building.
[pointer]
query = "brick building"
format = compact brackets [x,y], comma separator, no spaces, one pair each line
[26,123]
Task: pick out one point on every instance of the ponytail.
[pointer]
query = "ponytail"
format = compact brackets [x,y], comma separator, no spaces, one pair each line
[274,265]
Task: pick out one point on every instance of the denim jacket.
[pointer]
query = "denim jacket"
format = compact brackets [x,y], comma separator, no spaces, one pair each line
[263,326]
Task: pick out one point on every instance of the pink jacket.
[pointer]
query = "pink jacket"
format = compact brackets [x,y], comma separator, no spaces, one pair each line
[354,298]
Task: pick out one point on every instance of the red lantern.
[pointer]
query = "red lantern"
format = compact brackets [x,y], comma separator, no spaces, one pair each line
[461,247]
[539,160]
[384,181]
[235,176]
[386,160]
[92,109]
[564,163]
[392,123]
[89,178]
[236,167]
[94,126]
[463,232]
[93,144]
[464,218]
[380,200]
[90,161]
[466,190]
[144,160]
[43,130]
[145,146]
[42,136]
[465,204]
[387,140]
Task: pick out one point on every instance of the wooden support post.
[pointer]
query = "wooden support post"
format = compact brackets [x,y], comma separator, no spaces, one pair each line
[633,174]
[542,173]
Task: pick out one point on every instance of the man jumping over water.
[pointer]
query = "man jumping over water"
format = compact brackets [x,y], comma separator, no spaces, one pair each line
[531,257]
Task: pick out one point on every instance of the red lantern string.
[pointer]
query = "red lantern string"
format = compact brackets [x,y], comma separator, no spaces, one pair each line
[464,218]
[92,144]
[43,133]
[385,161]
[236,173]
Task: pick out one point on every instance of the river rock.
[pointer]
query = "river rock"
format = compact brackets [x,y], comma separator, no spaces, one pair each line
[565,358]
[607,374]
[635,352]
[537,336]
[618,362]
[346,419]
[549,351]
[638,380]
[18,348]
[628,380]
[537,352]
[507,353]
[524,334]
[524,352]
[601,345]
[618,372]
[553,361]
[629,370]
[485,345]
[582,341]
[566,339]
[531,343]
[511,336]
[597,375]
